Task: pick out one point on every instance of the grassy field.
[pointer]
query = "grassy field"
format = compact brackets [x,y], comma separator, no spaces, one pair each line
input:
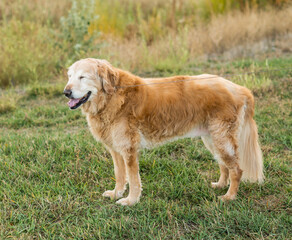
[52,172]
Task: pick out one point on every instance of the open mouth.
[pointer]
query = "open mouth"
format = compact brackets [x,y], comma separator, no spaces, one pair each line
[77,102]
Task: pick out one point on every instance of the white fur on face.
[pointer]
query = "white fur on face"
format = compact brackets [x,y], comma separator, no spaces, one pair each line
[81,83]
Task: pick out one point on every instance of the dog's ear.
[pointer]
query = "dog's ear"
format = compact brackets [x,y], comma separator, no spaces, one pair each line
[109,76]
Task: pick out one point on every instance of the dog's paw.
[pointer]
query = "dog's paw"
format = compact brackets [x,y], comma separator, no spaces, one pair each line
[113,194]
[218,185]
[109,194]
[127,201]
[226,197]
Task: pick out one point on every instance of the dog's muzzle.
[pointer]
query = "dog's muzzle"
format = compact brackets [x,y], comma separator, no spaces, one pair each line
[76,102]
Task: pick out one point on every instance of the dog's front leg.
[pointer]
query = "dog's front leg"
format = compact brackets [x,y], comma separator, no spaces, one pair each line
[132,168]
[120,175]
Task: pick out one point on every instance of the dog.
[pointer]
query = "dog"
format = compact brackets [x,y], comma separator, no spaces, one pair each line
[127,113]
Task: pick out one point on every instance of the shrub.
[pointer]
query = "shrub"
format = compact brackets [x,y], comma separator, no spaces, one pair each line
[28,53]
[74,30]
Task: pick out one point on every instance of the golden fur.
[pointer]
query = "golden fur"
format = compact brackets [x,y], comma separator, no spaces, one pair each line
[126,119]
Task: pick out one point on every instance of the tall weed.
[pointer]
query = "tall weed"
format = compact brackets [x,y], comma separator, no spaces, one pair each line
[28,53]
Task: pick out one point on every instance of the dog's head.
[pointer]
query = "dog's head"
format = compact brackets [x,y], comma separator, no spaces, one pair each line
[88,78]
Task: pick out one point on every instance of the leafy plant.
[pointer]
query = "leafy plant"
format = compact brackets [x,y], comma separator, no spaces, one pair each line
[75,26]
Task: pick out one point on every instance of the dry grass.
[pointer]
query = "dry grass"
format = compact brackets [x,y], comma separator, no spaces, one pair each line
[41,38]
[225,32]
[185,45]
[43,11]
[150,19]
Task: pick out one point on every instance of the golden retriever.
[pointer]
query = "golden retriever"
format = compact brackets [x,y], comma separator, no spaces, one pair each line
[126,113]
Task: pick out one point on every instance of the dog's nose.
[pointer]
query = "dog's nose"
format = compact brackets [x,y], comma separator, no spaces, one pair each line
[67,93]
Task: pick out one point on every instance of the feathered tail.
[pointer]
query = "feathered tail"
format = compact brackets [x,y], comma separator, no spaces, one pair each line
[250,154]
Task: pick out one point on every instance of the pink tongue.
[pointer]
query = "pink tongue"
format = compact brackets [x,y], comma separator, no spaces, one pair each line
[73,102]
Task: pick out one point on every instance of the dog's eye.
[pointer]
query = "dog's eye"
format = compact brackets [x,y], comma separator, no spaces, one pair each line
[81,77]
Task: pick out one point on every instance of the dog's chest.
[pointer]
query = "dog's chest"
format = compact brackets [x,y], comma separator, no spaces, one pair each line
[99,131]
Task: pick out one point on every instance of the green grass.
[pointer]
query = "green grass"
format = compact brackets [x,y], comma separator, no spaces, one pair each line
[52,174]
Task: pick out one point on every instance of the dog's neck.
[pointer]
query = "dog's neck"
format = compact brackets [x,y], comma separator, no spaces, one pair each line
[103,107]
[95,105]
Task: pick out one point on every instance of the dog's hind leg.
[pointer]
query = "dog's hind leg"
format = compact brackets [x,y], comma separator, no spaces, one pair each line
[223,180]
[226,146]
[224,172]
[230,159]
[120,175]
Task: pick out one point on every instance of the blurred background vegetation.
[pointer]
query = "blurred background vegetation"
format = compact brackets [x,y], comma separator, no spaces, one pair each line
[40,38]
